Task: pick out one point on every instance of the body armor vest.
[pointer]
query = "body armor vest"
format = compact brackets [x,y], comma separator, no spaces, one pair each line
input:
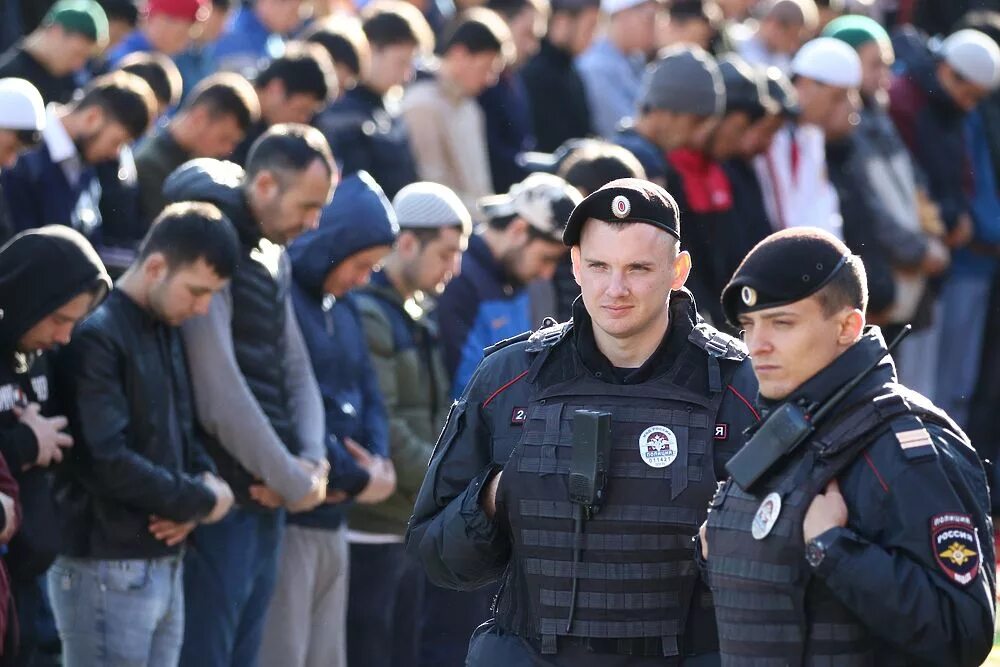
[258,329]
[635,578]
[770,611]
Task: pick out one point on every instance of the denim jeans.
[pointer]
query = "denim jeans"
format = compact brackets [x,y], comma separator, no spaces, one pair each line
[118,612]
[229,575]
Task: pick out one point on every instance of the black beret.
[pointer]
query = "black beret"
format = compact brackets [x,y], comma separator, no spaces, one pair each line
[786,267]
[625,200]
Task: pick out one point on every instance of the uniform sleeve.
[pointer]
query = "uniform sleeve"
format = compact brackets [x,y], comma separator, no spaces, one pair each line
[736,414]
[911,564]
[459,546]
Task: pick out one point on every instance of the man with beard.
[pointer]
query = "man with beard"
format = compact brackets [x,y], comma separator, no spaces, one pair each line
[519,243]
[56,182]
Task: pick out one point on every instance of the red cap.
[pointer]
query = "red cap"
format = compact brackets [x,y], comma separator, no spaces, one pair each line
[187,10]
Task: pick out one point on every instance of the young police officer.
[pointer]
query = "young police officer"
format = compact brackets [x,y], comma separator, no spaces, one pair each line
[870,542]
[599,577]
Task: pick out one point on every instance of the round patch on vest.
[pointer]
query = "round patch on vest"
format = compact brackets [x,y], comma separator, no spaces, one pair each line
[766,516]
[658,446]
[621,206]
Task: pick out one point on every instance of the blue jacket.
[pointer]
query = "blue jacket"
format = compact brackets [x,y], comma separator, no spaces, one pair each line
[245,44]
[39,194]
[134,42]
[358,218]
[479,307]
[984,201]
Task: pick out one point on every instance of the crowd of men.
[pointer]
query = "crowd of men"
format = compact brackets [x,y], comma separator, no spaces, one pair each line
[254,253]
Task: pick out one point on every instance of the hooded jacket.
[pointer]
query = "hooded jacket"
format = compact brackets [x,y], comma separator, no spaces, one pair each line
[255,395]
[359,217]
[40,271]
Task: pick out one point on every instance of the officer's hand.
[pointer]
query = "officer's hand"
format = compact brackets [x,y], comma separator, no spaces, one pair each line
[488,496]
[827,510]
[48,433]
[703,538]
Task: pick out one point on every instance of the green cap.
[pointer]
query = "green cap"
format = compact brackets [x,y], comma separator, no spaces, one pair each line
[857,31]
[84,17]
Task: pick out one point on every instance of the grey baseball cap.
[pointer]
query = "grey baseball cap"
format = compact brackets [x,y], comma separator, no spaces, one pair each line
[683,79]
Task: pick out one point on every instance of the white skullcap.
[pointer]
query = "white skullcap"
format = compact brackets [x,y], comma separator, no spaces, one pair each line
[973,55]
[21,106]
[430,205]
[614,6]
[829,61]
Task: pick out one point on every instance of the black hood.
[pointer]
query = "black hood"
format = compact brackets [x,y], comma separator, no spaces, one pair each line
[215,182]
[40,270]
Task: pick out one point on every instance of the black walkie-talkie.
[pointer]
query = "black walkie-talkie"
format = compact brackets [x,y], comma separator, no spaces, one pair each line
[588,476]
[788,427]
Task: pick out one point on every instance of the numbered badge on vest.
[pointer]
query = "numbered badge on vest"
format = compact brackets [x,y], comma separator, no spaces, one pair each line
[766,516]
[658,446]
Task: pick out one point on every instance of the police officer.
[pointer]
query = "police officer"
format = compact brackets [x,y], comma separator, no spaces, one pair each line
[869,543]
[604,579]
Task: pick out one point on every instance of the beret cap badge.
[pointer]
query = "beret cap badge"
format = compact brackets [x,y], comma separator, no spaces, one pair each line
[748,295]
[620,206]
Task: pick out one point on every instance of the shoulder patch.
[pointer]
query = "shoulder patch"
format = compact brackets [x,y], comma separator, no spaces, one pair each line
[717,343]
[913,438]
[955,546]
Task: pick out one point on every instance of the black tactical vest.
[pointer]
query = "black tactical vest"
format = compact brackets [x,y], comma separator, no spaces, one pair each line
[258,326]
[635,576]
[770,610]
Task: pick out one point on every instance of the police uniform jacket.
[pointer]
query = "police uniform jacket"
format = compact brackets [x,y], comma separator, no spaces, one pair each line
[909,580]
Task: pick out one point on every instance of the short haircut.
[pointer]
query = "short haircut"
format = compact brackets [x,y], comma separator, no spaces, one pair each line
[393,22]
[121,10]
[287,149]
[123,97]
[594,164]
[226,94]
[159,72]
[847,288]
[304,69]
[511,8]
[188,231]
[792,13]
[479,30]
[344,41]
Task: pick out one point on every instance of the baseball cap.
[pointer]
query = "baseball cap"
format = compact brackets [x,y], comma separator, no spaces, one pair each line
[545,201]
[683,79]
[84,17]
[973,55]
[828,61]
[427,205]
[21,106]
[185,10]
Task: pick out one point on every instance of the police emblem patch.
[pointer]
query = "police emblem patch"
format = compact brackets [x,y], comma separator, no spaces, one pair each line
[766,516]
[621,206]
[658,446]
[955,546]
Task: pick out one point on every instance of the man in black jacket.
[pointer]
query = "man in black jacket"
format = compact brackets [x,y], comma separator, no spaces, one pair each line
[50,278]
[138,480]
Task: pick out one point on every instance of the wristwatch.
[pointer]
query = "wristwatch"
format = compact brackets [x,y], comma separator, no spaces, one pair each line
[816,551]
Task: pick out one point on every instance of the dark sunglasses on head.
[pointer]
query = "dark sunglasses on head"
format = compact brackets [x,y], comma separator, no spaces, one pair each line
[28,138]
